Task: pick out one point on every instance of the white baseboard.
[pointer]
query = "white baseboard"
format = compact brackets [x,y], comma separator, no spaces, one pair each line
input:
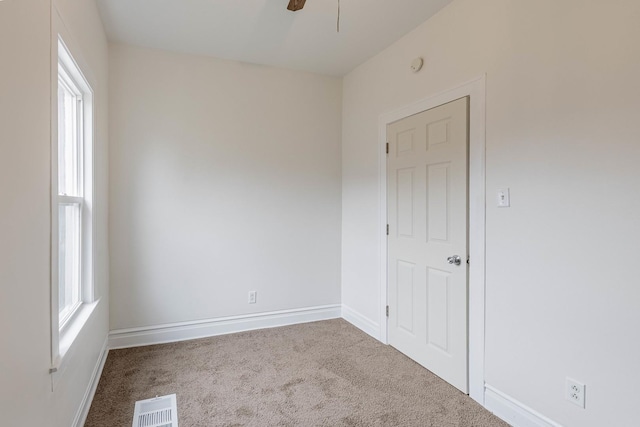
[514,412]
[359,321]
[160,334]
[83,411]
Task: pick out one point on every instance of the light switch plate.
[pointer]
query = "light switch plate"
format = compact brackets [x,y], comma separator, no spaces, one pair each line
[504,200]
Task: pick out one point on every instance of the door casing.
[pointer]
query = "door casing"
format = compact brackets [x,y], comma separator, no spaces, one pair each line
[475,90]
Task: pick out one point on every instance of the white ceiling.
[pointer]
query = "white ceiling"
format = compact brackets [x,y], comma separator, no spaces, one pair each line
[265,32]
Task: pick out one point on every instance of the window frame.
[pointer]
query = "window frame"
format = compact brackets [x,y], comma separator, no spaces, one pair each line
[63,199]
[65,329]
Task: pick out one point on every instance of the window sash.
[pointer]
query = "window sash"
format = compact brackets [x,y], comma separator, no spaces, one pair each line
[70,211]
[70,136]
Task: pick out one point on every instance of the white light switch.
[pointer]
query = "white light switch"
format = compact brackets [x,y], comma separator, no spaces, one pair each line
[503,198]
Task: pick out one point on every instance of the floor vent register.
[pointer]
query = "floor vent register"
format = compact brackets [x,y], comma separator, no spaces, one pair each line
[159,411]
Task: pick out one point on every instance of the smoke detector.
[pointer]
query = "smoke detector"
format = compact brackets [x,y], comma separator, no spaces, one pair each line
[417,64]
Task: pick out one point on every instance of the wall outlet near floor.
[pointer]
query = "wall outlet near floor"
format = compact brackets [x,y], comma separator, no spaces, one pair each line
[253,295]
[575,392]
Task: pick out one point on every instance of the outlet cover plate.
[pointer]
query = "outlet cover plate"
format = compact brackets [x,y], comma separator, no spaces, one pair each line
[575,392]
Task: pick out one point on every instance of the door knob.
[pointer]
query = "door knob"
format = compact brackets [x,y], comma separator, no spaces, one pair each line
[455,259]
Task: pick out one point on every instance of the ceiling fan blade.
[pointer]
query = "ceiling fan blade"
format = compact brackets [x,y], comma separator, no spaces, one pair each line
[296,5]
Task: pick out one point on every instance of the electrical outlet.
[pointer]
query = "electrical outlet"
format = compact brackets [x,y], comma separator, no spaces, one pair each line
[253,295]
[575,392]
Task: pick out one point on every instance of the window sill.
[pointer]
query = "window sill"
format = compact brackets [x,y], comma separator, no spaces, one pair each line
[68,335]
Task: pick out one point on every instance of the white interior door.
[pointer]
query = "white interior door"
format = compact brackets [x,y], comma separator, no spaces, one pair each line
[427,170]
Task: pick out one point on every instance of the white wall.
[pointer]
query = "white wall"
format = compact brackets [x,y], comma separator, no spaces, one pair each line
[225,178]
[562,133]
[26,398]
[25,113]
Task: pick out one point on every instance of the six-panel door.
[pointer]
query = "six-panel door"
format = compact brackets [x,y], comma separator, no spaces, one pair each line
[427,187]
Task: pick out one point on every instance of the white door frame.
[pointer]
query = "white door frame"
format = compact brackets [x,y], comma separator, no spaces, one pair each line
[475,89]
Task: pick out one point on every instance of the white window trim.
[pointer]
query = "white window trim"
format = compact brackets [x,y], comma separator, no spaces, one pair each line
[64,334]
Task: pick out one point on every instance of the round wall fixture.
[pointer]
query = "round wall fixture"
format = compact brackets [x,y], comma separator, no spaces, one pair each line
[417,64]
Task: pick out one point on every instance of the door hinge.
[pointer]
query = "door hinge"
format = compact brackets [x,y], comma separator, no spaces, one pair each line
[387,229]
[387,311]
[387,148]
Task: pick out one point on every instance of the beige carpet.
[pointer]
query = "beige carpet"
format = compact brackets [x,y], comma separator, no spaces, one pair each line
[316,374]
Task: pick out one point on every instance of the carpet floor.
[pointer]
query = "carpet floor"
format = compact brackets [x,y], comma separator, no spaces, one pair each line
[325,373]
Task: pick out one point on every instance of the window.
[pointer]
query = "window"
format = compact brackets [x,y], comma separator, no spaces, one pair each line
[73,189]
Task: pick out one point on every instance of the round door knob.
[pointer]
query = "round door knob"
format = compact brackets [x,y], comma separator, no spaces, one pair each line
[455,259]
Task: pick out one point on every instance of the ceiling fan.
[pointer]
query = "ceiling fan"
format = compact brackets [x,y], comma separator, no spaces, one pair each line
[295,5]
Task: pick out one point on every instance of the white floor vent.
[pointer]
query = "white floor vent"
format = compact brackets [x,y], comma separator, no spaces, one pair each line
[157,412]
